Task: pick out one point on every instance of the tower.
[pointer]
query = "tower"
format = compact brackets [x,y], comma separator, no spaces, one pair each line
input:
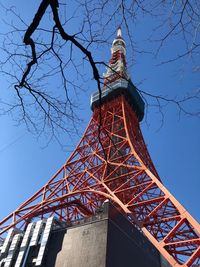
[111,162]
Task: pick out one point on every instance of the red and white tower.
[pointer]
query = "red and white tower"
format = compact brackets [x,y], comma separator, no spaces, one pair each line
[117,65]
[111,162]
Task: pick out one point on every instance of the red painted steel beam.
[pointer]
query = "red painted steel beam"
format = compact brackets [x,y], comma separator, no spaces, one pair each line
[118,168]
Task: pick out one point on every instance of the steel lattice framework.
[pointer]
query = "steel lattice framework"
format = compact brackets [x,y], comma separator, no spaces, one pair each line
[112,162]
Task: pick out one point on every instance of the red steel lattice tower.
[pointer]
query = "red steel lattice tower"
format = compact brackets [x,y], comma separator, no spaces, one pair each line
[112,162]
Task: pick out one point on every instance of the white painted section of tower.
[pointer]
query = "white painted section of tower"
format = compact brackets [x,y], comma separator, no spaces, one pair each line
[117,63]
[119,32]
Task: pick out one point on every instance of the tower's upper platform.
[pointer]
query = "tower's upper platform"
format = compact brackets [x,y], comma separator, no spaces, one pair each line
[117,80]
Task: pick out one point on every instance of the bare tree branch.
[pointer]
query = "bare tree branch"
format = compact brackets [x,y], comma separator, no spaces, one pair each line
[48,53]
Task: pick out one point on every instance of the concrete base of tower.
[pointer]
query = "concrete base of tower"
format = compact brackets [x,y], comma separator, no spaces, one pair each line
[106,240]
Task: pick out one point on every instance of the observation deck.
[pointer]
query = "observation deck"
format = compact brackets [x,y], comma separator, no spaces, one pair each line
[116,88]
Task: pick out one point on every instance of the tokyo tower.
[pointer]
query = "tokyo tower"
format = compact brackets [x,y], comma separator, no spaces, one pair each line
[111,163]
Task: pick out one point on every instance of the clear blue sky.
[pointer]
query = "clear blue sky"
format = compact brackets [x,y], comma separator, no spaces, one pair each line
[26,164]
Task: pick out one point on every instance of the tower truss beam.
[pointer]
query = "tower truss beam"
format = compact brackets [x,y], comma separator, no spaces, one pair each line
[115,165]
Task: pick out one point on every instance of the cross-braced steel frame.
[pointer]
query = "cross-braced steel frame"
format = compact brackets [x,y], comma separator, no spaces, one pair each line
[112,162]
